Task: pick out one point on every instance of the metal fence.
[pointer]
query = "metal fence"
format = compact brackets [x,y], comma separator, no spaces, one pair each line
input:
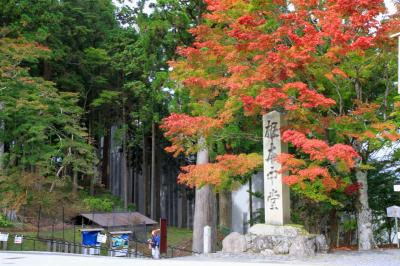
[137,249]
[56,231]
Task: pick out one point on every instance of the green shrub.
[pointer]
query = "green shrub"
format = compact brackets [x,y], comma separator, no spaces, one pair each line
[98,204]
[349,225]
[4,222]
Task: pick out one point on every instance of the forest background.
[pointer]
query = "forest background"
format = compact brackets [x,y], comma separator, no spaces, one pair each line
[71,70]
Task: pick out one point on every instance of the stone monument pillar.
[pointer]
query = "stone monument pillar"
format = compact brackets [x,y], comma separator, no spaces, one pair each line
[276,193]
[276,236]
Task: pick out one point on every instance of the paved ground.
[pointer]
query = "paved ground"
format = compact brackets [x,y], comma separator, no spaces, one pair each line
[372,258]
[53,259]
[379,257]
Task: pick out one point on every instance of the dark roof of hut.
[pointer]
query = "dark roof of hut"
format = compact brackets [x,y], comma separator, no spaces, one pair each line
[118,219]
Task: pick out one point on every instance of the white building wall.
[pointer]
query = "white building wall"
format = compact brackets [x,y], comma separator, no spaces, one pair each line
[240,204]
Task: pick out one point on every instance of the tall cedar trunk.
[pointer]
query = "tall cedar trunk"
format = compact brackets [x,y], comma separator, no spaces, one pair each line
[251,198]
[158,186]
[46,70]
[145,172]
[389,226]
[74,175]
[158,175]
[95,176]
[1,142]
[225,209]
[388,83]
[205,208]
[155,175]
[184,221]
[106,157]
[364,219]
[334,227]
[136,182]
[364,214]
[358,88]
[125,172]
[163,196]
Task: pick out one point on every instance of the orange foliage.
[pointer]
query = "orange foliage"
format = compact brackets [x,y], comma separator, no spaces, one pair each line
[180,128]
[256,51]
[321,154]
[320,150]
[220,172]
[377,129]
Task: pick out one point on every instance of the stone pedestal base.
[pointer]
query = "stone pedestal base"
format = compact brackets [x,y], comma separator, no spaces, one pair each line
[272,239]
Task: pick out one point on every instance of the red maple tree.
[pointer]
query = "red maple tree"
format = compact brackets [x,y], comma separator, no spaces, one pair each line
[258,53]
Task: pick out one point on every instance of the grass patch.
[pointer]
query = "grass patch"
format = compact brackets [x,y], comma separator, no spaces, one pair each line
[176,237]
[35,244]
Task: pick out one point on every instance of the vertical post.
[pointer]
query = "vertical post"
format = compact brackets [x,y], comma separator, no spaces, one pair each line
[163,236]
[136,247]
[397,232]
[52,231]
[251,199]
[63,223]
[73,250]
[38,223]
[207,240]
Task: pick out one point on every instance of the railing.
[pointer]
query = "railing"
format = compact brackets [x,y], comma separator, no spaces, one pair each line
[137,249]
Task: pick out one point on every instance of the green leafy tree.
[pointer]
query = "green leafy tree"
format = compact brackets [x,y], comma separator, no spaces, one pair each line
[42,130]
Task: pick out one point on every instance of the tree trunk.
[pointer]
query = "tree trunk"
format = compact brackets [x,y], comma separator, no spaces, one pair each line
[184,207]
[364,219]
[155,175]
[145,172]
[205,208]
[358,88]
[136,188]
[1,142]
[125,172]
[46,70]
[251,199]
[389,226]
[225,209]
[388,83]
[105,159]
[75,183]
[334,227]
[158,186]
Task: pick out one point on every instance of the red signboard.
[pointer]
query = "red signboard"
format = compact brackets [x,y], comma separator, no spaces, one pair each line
[163,236]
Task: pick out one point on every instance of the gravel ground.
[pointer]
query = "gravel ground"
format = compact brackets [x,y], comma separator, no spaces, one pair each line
[379,257]
[388,257]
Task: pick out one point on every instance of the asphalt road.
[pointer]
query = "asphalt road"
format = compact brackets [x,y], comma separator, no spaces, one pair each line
[54,259]
[390,257]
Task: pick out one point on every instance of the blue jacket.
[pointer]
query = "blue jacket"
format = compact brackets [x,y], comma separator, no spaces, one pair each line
[155,241]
